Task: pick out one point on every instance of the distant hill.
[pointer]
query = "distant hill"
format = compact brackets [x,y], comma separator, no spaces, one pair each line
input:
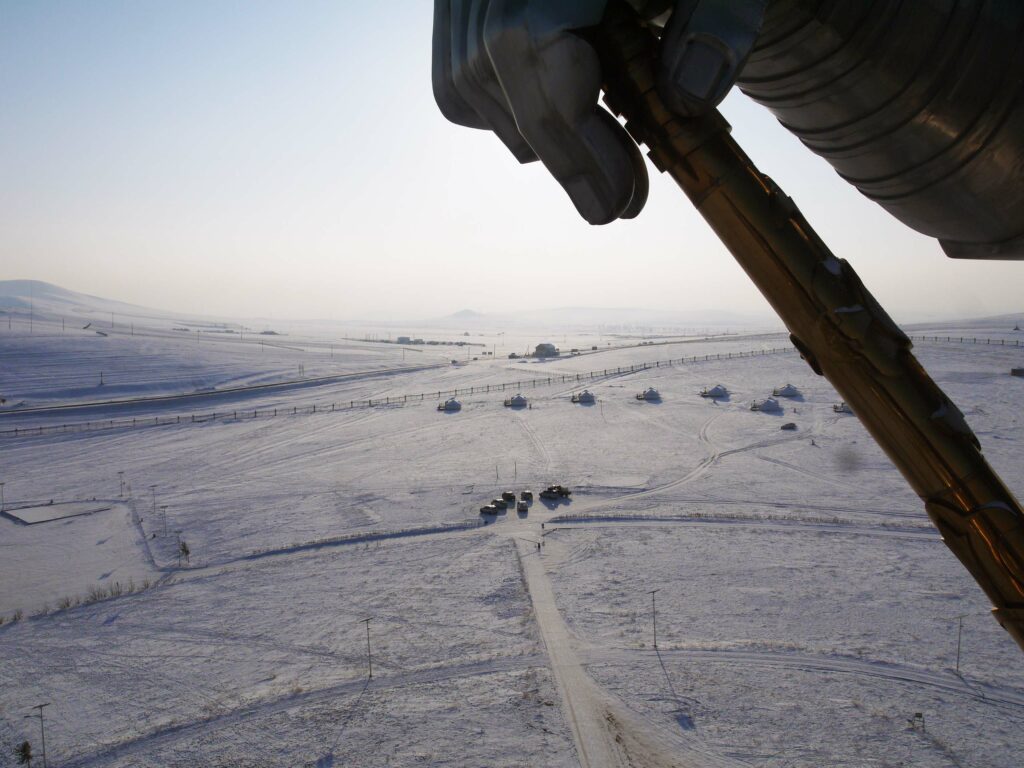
[611,318]
[49,299]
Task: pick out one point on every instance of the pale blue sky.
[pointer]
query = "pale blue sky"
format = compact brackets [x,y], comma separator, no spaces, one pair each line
[287,159]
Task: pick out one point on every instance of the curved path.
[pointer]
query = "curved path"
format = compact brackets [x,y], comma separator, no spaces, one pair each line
[282,386]
[944,681]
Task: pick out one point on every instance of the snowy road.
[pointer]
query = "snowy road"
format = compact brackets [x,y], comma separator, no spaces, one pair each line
[605,733]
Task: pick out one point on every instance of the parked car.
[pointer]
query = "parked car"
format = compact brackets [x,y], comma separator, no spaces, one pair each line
[550,495]
[488,509]
[526,495]
[522,506]
[508,496]
[499,503]
[560,490]
[789,425]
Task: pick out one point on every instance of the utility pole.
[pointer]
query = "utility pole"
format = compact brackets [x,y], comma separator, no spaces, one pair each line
[959,635]
[120,476]
[42,729]
[163,514]
[654,616]
[152,489]
[369,658]
[2,497]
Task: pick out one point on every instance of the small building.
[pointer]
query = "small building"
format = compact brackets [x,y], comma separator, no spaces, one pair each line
[545,350]
[716,391]
[1017,371]
[650,394]
[513,356]
[403,340]
[786,390]
[586,397]
[768,405]
[516,401]
[450,405]
[841,408]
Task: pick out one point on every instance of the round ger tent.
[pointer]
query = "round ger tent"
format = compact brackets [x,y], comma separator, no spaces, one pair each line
[516,401]
[586,396]
[650,394]
[787,390]
[449,405]
[768,404]
[716,391]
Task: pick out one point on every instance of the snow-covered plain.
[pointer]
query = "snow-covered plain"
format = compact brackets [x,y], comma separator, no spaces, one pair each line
[807,610]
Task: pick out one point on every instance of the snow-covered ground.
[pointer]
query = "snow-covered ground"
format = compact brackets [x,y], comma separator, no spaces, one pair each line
[807,609]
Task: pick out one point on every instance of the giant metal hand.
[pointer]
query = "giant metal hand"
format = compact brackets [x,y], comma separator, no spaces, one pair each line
[918,104]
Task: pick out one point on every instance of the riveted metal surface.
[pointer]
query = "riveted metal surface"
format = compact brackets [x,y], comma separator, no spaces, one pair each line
[920,105]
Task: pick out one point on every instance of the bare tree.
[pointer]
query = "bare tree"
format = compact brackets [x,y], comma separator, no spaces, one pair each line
[23,754]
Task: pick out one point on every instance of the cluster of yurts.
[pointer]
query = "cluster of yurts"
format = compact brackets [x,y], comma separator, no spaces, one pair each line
[586,397]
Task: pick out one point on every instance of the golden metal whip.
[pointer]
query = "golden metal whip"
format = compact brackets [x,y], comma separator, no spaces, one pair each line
[839,328]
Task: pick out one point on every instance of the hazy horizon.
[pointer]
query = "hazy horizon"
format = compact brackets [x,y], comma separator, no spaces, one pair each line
[272,162]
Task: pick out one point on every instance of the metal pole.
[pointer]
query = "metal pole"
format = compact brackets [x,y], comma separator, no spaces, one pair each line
[654,617]
[2,497]
[42,729]
[120,476]
[369,658]
[959,635]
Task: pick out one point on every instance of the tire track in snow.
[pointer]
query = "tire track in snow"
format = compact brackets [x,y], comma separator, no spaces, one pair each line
[922,533]
[712,456]
[810,662]
[808,473]
[531,434]
[173,733]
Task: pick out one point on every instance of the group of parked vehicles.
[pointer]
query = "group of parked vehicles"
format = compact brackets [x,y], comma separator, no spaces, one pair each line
[522,505]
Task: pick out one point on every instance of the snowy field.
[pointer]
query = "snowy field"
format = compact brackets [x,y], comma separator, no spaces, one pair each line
[806,607]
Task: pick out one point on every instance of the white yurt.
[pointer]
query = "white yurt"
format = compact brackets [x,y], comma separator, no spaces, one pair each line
[716,391]
[516,401]
[768,404]
[786,390]
[650,394]
[451,404]
[586,396]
